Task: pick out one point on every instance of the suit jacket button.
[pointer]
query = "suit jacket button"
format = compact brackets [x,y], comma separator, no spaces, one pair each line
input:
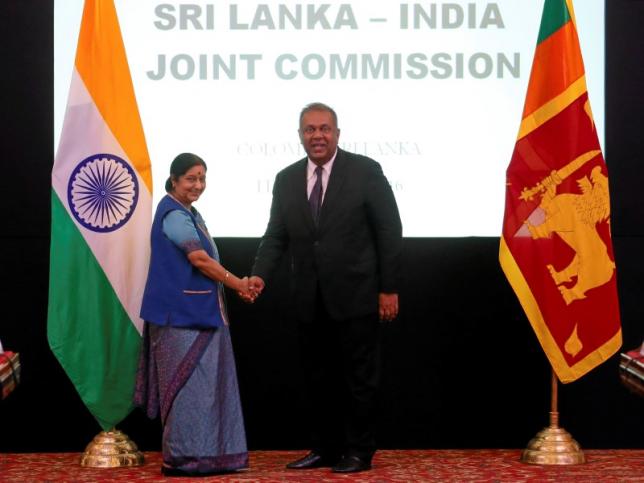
[316,243]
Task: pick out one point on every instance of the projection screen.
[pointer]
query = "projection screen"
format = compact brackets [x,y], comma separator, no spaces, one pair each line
[434,91]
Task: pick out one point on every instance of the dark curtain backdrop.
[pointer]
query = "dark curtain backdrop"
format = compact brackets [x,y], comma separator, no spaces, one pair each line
[462,367]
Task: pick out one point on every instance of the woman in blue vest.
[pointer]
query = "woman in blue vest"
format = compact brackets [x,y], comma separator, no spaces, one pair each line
[187,370]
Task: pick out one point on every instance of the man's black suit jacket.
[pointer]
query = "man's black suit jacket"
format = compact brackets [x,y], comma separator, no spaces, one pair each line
[355,251]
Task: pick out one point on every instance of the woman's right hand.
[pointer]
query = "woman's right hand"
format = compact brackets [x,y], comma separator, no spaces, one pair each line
[244,290]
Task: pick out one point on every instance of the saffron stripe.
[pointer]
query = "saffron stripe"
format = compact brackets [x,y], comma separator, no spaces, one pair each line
[557,64]
[553,107]
[102,64]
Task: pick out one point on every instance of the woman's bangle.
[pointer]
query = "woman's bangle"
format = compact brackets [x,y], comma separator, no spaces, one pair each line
[227,275]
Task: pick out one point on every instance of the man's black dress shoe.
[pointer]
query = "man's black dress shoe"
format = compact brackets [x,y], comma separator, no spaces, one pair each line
[310,461]
[351,464]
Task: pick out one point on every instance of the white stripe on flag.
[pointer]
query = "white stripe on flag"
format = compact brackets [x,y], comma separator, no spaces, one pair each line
[129,246]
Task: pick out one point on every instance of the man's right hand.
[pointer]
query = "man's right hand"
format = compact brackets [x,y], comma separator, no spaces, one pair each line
[256,285]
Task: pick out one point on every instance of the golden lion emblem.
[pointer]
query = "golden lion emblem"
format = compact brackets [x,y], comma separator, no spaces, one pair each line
[574,218]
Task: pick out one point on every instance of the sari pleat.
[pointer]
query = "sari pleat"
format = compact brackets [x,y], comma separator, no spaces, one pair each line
[188,377]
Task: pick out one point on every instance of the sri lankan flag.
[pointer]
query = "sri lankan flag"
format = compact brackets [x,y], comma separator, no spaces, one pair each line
[100,223]
[556,248]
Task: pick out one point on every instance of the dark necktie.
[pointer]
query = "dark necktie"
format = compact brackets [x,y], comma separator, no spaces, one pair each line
[315,200]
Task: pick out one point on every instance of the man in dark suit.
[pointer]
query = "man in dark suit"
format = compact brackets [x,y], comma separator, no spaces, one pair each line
[336,215]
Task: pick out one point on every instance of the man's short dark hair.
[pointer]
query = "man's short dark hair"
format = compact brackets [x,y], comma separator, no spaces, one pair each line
[319,106]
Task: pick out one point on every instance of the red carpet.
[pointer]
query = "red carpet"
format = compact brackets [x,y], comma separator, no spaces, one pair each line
[395,466]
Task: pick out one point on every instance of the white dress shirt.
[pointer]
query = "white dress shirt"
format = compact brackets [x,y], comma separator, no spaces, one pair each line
[326,172]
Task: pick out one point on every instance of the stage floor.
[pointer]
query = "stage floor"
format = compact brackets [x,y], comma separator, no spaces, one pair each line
[388,466]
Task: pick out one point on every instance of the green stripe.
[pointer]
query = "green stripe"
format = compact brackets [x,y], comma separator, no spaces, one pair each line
[88,329]
[555,15]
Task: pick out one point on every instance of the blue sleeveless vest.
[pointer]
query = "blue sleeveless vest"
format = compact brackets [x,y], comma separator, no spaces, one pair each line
[176,293]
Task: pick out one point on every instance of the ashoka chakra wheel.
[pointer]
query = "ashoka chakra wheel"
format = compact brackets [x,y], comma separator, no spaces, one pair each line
[102,192]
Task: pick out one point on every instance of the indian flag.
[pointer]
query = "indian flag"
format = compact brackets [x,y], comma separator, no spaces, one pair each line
[556,249]
[101,217]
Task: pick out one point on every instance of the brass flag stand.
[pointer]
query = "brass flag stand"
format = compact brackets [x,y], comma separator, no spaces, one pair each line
[111,449]
[553,445]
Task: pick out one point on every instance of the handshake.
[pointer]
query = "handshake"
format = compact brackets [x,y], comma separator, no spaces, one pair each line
[250,288]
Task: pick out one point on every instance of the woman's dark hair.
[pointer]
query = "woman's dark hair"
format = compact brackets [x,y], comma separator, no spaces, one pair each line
[180,165]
